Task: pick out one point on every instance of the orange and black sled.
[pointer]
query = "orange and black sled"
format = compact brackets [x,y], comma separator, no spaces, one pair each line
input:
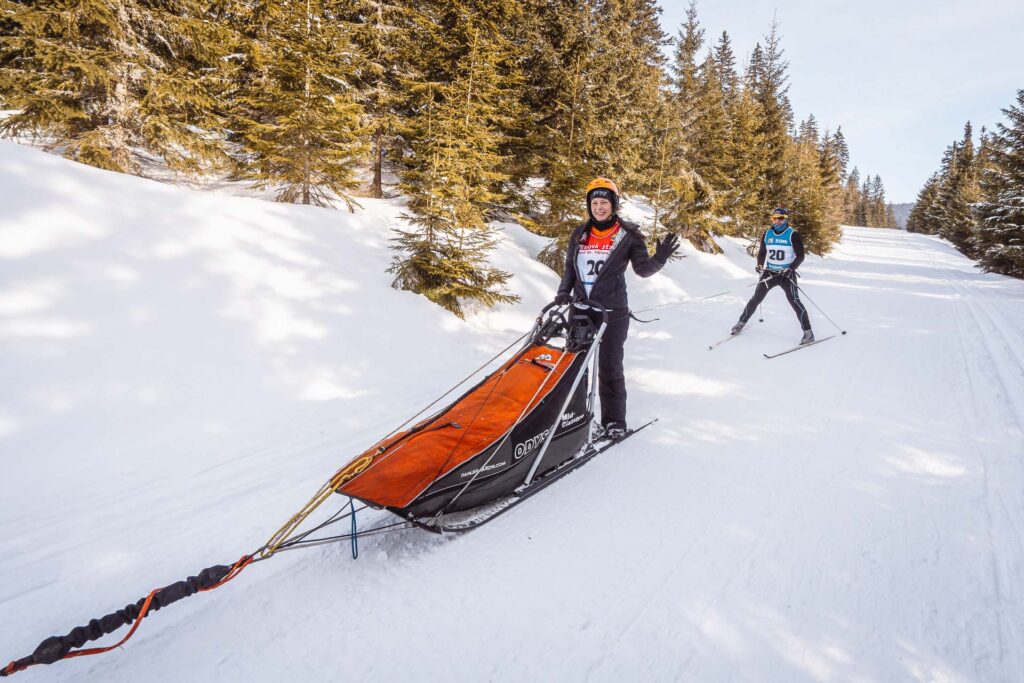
[501,439]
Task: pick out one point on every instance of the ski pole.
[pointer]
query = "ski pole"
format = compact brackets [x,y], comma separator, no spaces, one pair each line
[804,294]
[760,314]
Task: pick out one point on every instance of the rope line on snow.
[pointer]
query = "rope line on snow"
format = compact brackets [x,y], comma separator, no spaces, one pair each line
[683,302]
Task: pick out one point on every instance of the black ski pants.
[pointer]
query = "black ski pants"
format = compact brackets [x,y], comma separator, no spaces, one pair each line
[611,385]
[768,280]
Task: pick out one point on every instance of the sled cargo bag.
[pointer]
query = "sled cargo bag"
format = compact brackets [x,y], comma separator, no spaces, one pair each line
[482,446]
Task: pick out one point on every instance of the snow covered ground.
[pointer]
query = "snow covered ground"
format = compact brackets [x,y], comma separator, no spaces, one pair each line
[181,370]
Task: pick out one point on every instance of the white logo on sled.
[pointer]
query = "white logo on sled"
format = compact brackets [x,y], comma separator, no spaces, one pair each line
[528,445]
[543,356]
[569,419]
[480,470]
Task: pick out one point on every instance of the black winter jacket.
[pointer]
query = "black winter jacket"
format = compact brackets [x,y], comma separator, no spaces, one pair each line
[609,288]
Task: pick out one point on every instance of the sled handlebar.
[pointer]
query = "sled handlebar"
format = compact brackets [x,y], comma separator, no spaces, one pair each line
[579,304]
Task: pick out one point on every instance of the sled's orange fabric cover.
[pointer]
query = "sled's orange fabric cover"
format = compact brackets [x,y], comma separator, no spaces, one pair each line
[401,467]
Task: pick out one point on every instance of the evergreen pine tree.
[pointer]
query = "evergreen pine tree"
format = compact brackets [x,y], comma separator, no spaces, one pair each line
[863,214]
[769,81]
[808,130]
[563,144]
[461,92]
[380,32]
[104,80]
[710,132]
[876,209]
[689,41]
[851,198]
[832,158]
[725,62]
[814,207]
[683,202]
[841,151]
[928,213]
[698,125]
[958,192]
[917,221]
[747,164]
[298,120]
[890,217]
[1000,238]
[631,68]
[592,79]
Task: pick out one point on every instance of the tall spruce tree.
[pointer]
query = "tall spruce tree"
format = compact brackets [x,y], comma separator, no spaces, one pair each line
[298,119]
[814,202]
[747,164]
[564,143]
[769,80]
[851,197]
[928,212]
[957,193]
[631,67]
[832,159]
[461,92]
[592,79]
[696,125]
[876,203]
[1000,236]
[918,221]
[725,62]
[380,30]
[103,80]
[681,201]
[890,217]
[711,130]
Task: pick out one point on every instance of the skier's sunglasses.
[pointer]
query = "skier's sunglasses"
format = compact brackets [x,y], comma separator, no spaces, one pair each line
[778,218]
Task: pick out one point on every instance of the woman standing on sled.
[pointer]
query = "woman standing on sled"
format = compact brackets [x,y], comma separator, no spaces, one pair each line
[595,271]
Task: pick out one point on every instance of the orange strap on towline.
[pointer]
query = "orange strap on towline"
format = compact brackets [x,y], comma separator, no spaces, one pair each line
[56,648]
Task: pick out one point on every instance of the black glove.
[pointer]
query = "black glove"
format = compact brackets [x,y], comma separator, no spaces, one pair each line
[562,299]
[665,247]
[788,273]
[758,268]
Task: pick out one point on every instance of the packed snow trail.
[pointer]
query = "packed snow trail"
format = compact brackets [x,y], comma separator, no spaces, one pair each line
[850,512]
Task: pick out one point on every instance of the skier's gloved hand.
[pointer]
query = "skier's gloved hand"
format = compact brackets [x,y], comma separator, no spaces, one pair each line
[562,299]
[758,268]
[665,247]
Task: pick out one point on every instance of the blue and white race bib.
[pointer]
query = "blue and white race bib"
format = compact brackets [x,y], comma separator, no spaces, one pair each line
[779,247]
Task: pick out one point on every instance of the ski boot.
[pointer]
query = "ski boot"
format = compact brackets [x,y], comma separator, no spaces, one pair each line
[613,431]
[737,328]
[807,338]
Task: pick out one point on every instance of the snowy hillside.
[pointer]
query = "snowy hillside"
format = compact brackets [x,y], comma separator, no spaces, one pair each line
[181,370]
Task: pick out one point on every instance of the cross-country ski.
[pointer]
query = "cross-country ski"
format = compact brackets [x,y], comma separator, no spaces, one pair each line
[797,347]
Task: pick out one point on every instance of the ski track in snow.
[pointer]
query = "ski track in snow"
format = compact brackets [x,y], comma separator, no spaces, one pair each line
[851,512]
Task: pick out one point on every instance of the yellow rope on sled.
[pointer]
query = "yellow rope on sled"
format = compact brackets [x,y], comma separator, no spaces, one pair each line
[342,477]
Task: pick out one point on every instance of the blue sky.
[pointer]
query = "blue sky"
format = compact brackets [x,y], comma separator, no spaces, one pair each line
[901,78]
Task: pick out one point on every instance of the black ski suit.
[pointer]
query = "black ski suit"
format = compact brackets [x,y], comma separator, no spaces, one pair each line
[787,282]
[609,290]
